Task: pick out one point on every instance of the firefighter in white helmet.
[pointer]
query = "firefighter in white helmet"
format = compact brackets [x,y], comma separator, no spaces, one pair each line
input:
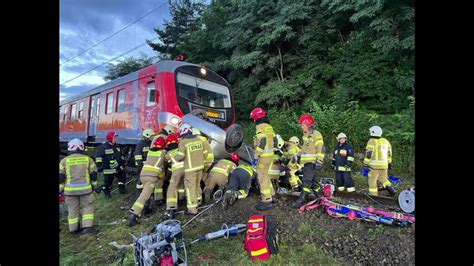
[141,151]
[378,158]
[342,160]
[77,178]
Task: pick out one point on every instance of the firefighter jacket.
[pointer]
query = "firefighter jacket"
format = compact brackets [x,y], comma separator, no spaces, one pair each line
[264,142]
[191,149]
[154,164]
[171,158]
[312,150]
[77,174]
[141,151]
[108,158]
[343,157]
[378,153]
[210,155]
[223,167]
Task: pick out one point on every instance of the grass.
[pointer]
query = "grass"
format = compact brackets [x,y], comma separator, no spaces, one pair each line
[95,249]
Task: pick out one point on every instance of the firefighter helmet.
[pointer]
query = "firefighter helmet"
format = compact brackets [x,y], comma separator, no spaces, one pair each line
[110,136]
[306,119]
[159,143]
[295,140]
[148,133]
[235,157]
[257,113]
[184,128]
[75,144]
[172,138]
[170,129]
[341,135]
[375,131]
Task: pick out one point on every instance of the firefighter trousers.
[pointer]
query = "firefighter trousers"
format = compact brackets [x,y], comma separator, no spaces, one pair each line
[375,175]
[149,183]
[190,180]
[214,179]
[266,188]
[109,178]
[80,206]
[172,192]
[344,181]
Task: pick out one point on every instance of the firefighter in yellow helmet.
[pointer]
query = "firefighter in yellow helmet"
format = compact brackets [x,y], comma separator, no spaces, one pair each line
[141,151]
[378,158]
[291,154]
[191,149]
[312,156]
[152,175]
[342,161]
[207,162]
[264,148]
[77,178]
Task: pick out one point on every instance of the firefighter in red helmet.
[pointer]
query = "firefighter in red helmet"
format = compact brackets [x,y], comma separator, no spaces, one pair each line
[110,162]
[219,174]
[264,152]
[312,156]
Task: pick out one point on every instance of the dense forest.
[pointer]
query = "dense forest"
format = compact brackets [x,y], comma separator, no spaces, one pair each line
[348,63]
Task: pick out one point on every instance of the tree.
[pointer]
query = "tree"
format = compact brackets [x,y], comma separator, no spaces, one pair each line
[185,15]
[127,65]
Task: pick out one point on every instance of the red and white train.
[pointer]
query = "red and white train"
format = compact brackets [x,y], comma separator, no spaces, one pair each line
[152,97]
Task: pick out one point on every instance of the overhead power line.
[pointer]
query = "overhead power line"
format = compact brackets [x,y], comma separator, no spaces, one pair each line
[108,61]
[115,33]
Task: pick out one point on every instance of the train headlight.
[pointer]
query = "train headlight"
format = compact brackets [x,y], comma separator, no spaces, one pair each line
[174,121]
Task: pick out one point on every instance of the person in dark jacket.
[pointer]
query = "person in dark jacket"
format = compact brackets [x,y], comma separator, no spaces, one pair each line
[342,160]
[109,161]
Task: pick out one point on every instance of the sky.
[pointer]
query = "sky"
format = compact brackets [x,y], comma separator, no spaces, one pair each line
[84,23]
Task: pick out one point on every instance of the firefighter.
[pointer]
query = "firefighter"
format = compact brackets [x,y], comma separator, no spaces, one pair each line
[109,161]
[151,175]
[291,154]
[141,151]
[207,162]
[240,181]
[378,158]
[264,148]
[77,178]
[191,149]
[177,173]
[312,157]
[341,162]
[219,174]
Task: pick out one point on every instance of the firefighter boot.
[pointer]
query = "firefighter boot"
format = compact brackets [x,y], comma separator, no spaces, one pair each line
[207,194]
[301,200]
[122,189]
[264,206]
[89,230]
[390,190]
[132,219]
[106,192]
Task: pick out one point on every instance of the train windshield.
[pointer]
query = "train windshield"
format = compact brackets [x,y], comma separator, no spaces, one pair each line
[203,92]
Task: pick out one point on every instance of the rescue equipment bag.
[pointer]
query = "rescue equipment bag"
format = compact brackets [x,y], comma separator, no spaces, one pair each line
[261,237]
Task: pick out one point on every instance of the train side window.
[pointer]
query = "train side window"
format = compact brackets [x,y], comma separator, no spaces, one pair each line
[65,113]
[81,110]
[91,111]
[73,111]
[151,94]
[109,105]
[121,100]
[98,107]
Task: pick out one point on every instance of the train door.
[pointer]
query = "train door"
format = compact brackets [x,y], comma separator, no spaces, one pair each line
[149,100]
[93,116]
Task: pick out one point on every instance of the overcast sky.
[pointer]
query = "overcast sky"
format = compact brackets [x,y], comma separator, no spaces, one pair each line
[84,23]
